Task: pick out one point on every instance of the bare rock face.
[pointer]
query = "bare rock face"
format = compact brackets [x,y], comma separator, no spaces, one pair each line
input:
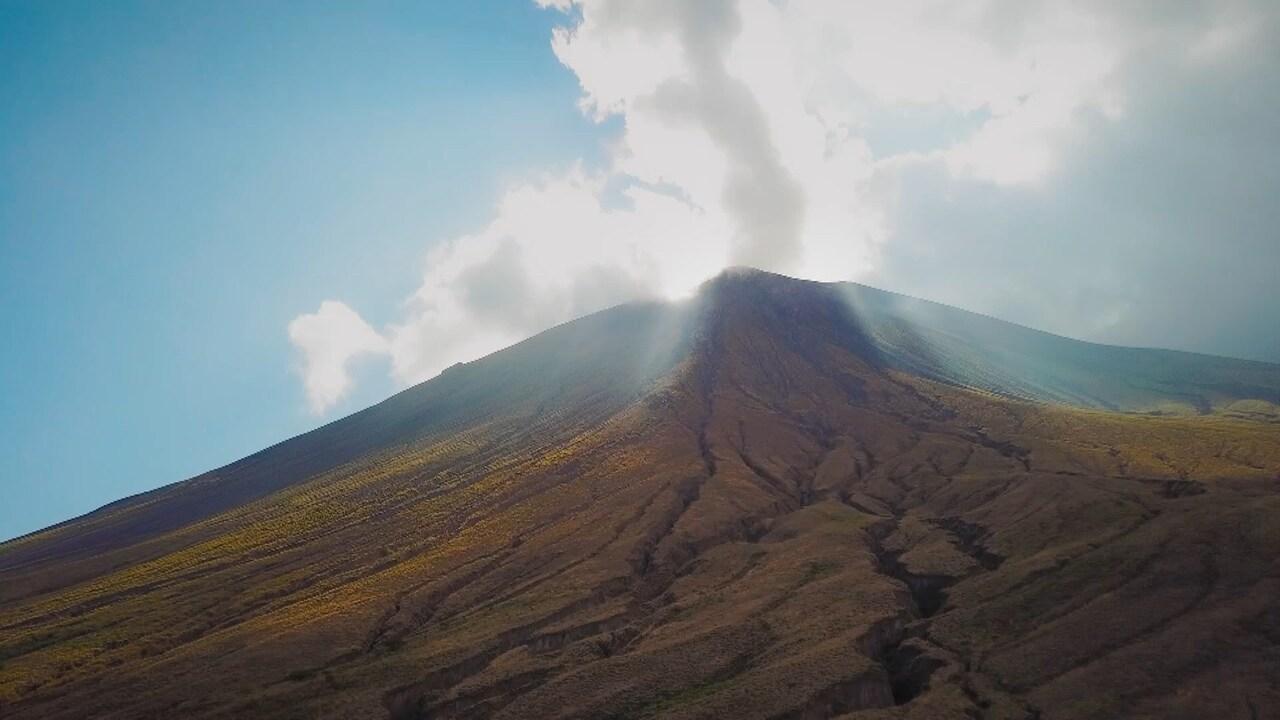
[782,499]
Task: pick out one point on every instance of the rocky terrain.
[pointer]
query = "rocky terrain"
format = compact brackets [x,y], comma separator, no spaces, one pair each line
[780,499]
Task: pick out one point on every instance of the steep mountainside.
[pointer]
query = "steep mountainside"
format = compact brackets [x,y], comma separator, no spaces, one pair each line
[781,499]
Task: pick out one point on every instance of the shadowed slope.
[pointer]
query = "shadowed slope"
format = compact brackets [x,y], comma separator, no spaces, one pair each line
[777,518]
[971,350]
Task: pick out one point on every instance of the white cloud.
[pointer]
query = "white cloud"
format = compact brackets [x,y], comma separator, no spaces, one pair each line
[747,128]
[329,339]
[557,248]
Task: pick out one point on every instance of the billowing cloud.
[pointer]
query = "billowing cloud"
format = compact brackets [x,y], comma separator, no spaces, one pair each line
[1156,225]
[1097,169]
[329,340]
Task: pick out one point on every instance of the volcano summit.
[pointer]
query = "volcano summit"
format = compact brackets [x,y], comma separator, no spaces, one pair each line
[779,499]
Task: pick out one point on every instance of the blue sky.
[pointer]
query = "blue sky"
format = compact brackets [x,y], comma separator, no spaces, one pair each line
[179,179]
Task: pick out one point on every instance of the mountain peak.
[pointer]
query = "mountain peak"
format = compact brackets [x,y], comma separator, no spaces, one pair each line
[745,274]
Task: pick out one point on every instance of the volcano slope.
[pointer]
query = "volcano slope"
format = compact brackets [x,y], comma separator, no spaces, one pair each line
[781,499]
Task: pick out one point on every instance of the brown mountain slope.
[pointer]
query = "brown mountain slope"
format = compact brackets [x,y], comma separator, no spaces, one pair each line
[752,505]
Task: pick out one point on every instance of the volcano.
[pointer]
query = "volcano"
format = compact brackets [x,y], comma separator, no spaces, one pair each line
[778,499]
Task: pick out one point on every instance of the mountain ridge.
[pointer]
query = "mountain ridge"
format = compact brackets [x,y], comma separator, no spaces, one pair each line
[1272,393]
